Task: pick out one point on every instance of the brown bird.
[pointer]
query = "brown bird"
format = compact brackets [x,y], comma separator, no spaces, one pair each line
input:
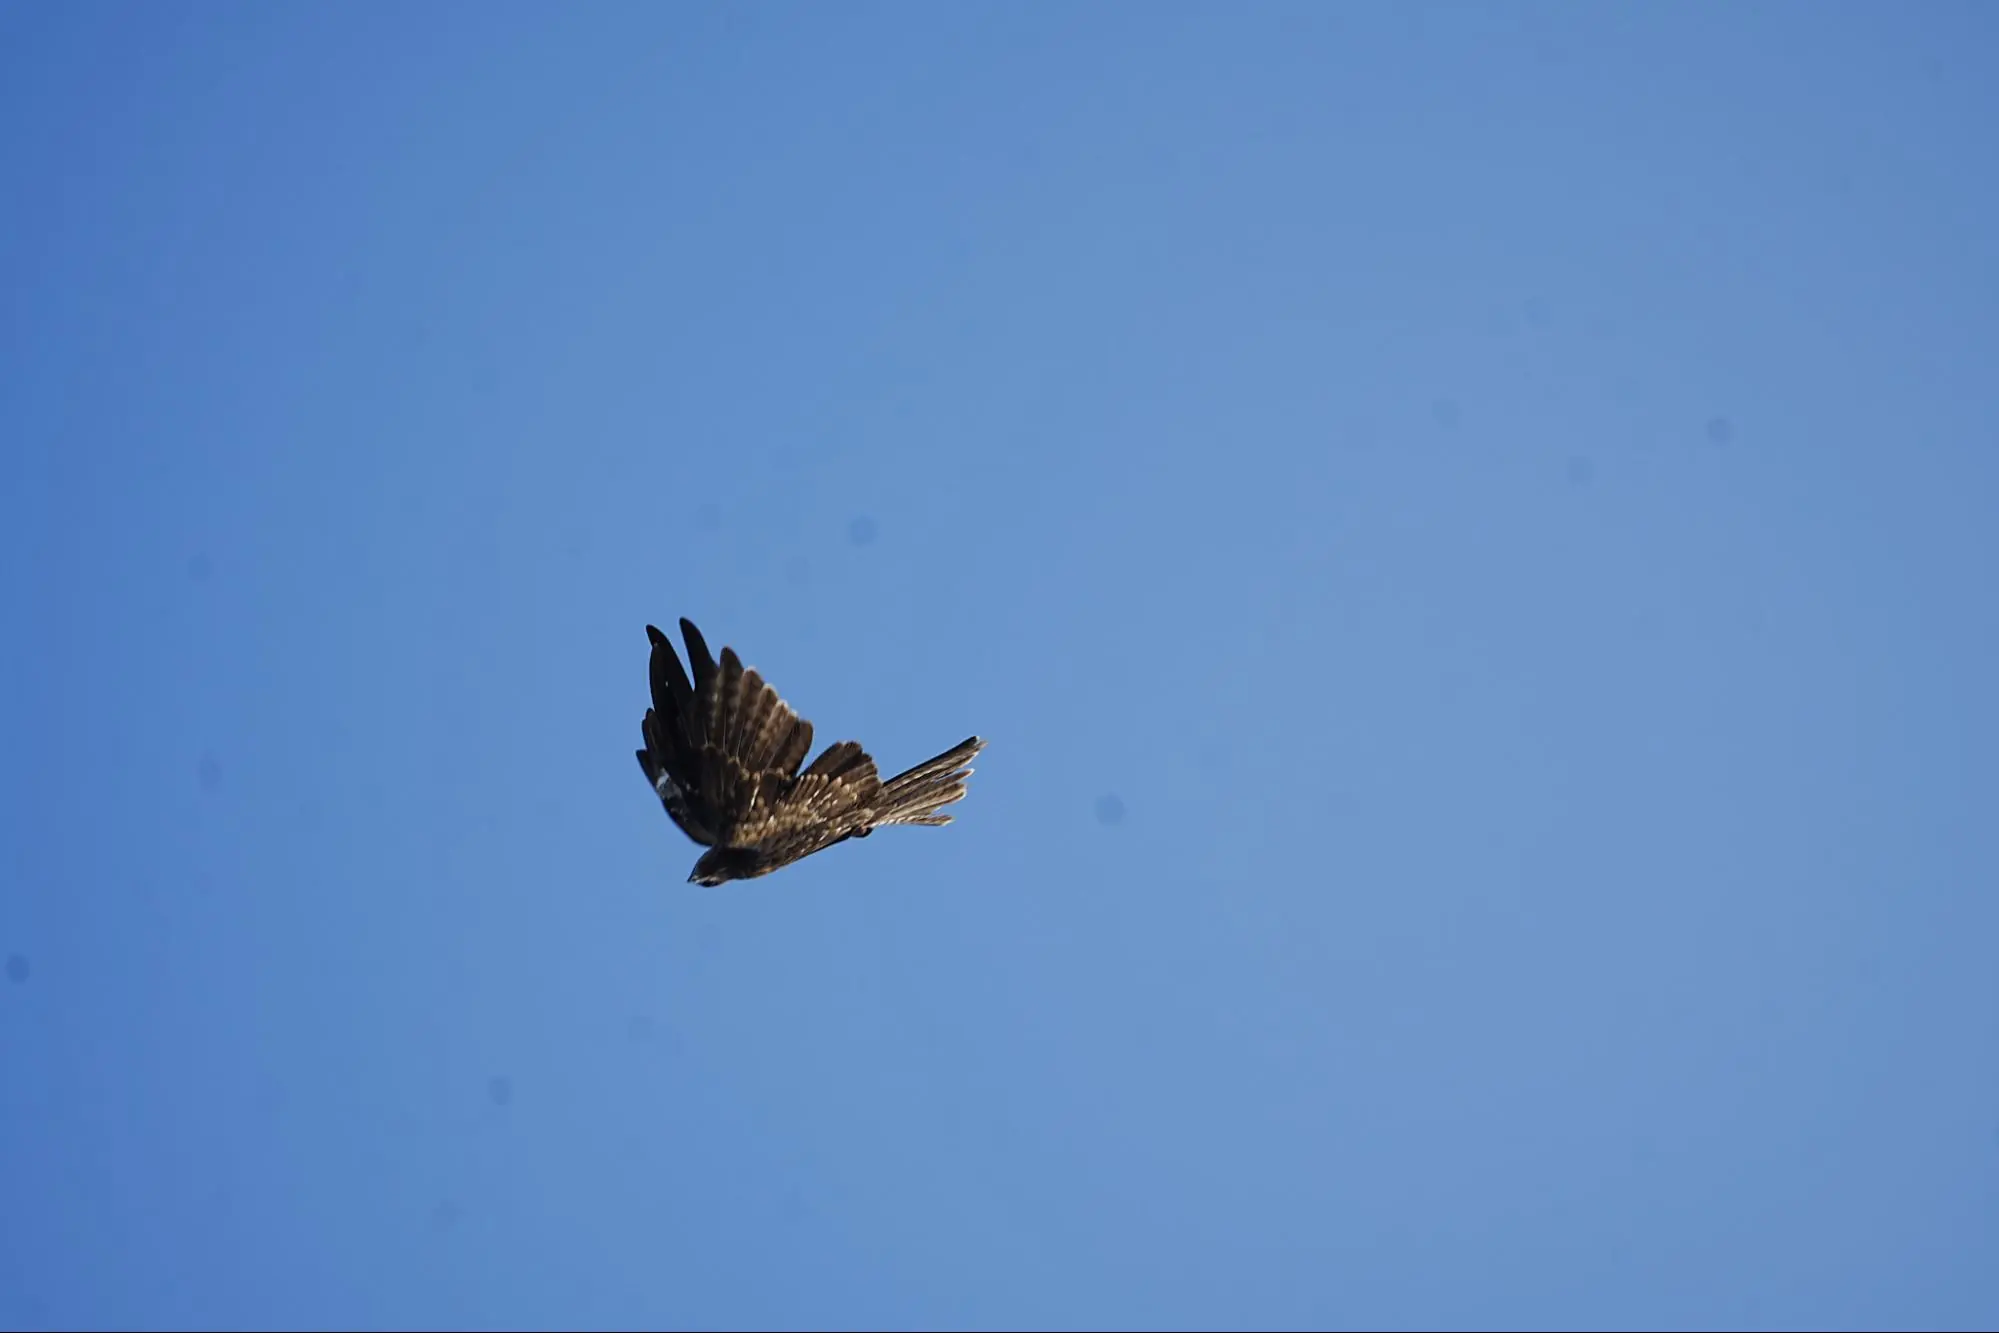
[723,753]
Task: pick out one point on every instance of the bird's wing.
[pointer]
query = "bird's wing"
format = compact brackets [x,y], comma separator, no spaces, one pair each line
[829,801]
[721,749]
[671,760]
[717,746]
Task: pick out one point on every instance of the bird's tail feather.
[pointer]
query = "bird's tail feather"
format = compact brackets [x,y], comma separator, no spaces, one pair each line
[916,796]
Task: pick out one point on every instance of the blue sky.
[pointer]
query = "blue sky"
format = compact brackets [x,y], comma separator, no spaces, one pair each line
[1469,530]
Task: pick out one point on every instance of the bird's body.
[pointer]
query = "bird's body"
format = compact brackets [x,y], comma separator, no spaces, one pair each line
[723,753]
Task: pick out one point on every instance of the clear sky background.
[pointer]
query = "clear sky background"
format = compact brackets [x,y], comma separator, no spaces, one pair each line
[1469,530]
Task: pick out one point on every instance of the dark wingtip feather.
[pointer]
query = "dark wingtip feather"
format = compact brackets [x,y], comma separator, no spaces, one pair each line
[698,655]
[671,690]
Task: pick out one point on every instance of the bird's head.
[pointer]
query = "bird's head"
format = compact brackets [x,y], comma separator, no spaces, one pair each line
[719,865]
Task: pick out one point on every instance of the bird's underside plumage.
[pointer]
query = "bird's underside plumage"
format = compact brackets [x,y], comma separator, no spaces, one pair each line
[723,752]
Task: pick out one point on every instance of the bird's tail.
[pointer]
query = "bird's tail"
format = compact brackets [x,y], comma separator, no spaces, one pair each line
[916,796]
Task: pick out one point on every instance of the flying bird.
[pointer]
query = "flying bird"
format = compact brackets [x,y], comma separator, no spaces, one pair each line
[723,753]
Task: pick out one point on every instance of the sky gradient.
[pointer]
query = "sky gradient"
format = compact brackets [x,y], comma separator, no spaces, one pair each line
[1469,530]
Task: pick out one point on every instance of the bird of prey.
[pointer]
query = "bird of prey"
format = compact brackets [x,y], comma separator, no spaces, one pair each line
[723,753]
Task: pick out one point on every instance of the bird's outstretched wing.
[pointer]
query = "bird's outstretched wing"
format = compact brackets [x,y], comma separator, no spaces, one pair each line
[721,748]
[829,802]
